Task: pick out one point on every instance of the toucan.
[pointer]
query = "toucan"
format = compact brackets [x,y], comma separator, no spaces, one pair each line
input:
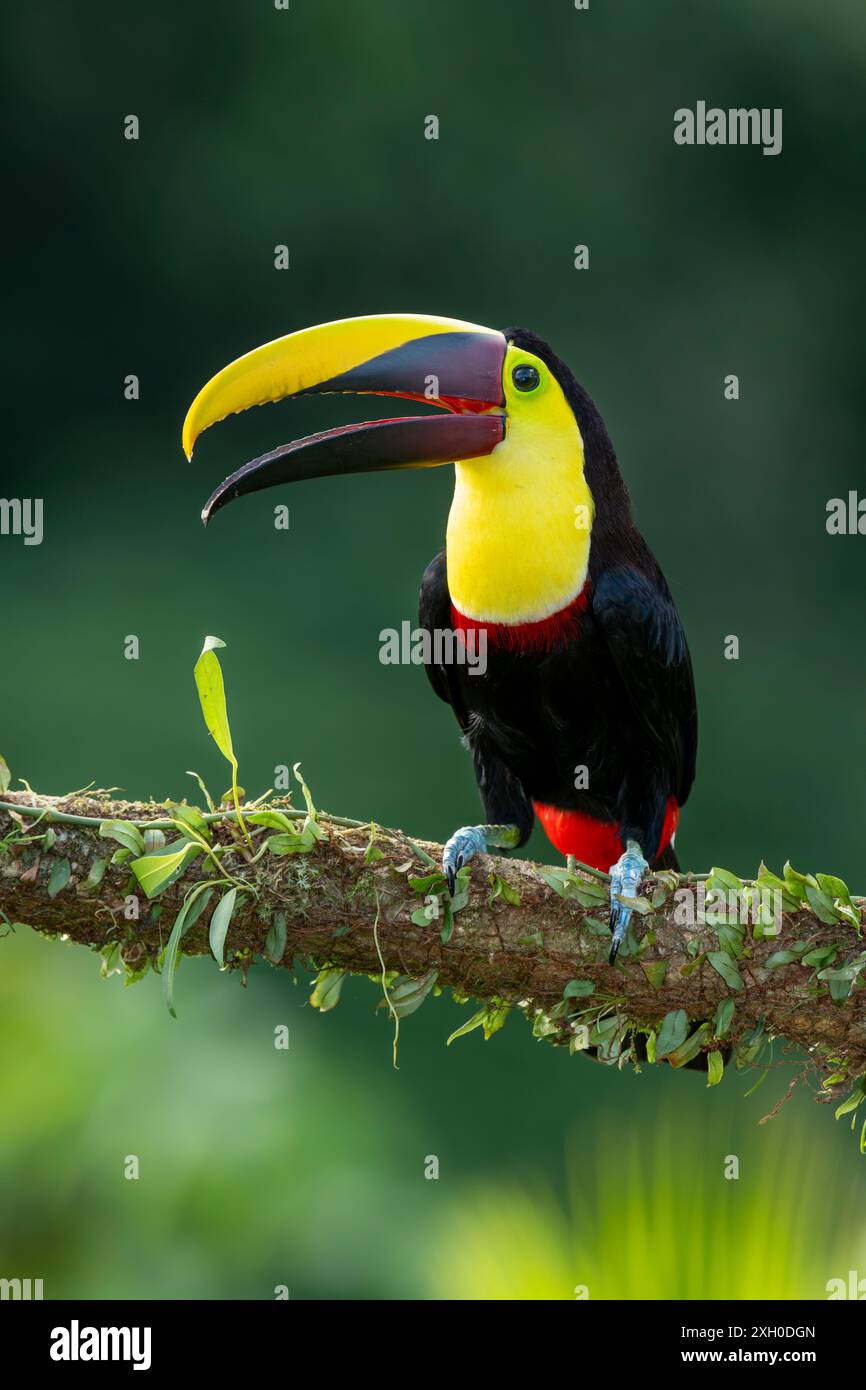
[584,714]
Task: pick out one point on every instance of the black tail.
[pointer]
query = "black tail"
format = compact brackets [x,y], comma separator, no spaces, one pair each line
[667,859]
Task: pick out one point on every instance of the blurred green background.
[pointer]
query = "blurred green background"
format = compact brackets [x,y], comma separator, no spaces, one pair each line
[261,127]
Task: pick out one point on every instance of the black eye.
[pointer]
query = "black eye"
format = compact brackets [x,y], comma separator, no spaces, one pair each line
[525,378]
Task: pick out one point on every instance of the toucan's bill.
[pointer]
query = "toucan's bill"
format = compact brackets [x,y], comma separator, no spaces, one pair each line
[442,361]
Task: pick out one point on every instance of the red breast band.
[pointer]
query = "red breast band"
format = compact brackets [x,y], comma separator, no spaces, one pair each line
[544,635]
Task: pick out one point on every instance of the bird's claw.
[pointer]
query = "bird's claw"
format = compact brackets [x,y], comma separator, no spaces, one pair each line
[625,880]
[466,842]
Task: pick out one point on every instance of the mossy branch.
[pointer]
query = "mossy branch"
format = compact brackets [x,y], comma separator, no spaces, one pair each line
[355,898]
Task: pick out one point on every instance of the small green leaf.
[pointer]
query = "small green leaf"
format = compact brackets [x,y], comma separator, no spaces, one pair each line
[780,958]
[212,698]
[715,1068]
[849,913]
[461,888]
[834,887]
[495,1019]
[793,877]
[423,916]
[189,818]
[109,962]
[840,988]
[642,906]
[724,1014]
[447,929]
[723,878]
[606,1034]
[125,833]
[274,820]
[219,925]
[587,895]
[156,871]
[503,890]
[173,947]
[849,971]
[750,1046]
[95,876]
[578,989]
[372,852]
[406,995]
[822,955]
[854,1099]
[690,1048]
[822,905]
[673,1030]
[724,966]
[326,990]
[60,876]
[596,927]
[311,810]
[475,1021]
[731,939]
[5,775]
[555,879]
[275,943]
[768,882]
[195,910]
[204,791]
[430,883]
[300,843]
[291,843]
[655,971]
[588,892]
[691,966]
[795,884]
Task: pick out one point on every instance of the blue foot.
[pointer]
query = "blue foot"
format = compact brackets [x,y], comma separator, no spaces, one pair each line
[464,844]
[470,840]
[625,877]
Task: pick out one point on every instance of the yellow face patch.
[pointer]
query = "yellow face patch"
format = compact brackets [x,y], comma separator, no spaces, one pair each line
[520,522]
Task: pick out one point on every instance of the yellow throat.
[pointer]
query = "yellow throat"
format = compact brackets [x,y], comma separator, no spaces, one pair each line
[520,523]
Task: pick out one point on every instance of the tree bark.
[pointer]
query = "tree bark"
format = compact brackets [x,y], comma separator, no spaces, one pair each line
[348,905]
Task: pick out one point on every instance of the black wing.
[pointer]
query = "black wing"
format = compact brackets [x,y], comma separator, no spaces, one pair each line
[434,611]
[644,635]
